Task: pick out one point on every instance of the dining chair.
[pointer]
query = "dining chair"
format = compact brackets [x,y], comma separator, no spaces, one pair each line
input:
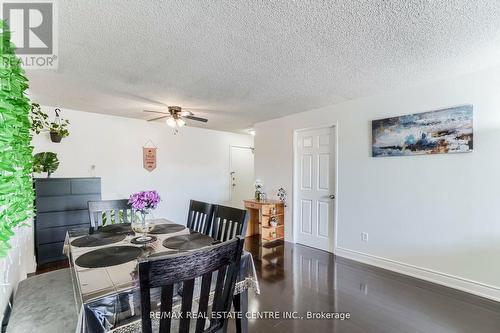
[200,216]
[229,222]
[163,272]
[107,211]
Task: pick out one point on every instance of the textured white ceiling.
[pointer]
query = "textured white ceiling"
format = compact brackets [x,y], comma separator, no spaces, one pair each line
[248,61]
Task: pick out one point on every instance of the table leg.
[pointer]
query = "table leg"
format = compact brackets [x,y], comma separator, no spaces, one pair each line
[240,302]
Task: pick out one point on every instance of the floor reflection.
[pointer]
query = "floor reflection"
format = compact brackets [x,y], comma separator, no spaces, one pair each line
[298,278]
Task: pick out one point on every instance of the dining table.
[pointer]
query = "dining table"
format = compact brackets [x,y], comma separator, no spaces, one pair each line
[104,273]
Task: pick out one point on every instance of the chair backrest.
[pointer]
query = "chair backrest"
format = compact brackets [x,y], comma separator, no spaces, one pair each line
[200,216]
[229,222]
[164,272]
[109,211]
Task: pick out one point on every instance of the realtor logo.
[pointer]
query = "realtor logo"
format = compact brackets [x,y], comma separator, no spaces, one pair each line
[33,31]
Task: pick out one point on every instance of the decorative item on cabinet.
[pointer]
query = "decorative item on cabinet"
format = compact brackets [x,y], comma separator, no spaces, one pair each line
[282,195]
[45,162]
[258,189]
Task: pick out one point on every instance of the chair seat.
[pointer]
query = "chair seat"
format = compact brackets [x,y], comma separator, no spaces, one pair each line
[44,304]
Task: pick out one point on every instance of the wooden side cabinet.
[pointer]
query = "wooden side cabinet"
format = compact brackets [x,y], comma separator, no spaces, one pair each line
[267,219]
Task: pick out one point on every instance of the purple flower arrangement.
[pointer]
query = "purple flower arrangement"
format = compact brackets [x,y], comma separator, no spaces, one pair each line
[144,201]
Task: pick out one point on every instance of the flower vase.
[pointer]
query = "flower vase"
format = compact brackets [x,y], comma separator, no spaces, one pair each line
[142,226]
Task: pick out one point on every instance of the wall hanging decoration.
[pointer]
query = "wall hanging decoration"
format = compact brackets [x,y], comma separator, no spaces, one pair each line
[16,186]
[58,128]
[149,156]
[45,162]
[435,132]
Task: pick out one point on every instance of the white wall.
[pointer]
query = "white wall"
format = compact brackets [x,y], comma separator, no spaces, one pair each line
[194,164]
[436,217]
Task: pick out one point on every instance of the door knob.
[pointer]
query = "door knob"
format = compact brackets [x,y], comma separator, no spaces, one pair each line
[332,196]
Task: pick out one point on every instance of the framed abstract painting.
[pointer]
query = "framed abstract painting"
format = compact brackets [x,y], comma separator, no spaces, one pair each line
[442,131]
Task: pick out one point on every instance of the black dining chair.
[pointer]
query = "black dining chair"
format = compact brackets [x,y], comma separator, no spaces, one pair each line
[228,222]
[109,211]
[200,216]
[163,272]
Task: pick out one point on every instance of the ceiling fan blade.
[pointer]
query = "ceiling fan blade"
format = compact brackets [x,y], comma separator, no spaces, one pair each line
[165,116]
[160,112]
[185,113]
[196,118]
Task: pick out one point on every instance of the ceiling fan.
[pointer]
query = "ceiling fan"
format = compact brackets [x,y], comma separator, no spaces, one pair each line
[176,116]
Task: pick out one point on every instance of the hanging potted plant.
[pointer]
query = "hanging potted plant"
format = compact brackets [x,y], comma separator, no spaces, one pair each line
[45,162]
[58,128]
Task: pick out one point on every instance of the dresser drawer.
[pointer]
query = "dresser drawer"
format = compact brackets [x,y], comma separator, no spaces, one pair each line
[59,219]
[252,205]
[86,186]
[54,235]
[50,252]
[45,187]
[60,203]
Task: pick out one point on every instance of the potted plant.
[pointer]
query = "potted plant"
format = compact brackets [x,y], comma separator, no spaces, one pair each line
[58,128]
[58,131]
[45,162]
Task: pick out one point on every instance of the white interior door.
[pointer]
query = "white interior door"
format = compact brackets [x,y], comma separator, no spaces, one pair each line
[241,174]
[315,188]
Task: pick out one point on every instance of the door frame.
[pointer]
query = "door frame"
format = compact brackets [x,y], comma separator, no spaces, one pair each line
[295,182]
[231,146]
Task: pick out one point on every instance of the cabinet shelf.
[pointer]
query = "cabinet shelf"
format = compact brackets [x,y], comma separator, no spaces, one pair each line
[270,239]
[271,227]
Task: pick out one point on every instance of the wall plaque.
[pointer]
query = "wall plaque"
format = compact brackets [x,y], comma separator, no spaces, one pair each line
[149,158]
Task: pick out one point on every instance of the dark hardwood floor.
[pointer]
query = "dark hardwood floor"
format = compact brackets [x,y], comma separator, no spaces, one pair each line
[51,266]
[299,278]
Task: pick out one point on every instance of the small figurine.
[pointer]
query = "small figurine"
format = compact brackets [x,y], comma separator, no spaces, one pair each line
[258,189]
[282,195]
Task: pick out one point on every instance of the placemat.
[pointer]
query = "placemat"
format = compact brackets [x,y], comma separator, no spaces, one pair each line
[166,228]
[108,256]
[119,228]
[188,242]
[97,239]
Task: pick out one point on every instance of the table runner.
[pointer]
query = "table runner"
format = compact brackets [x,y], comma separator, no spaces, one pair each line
[109,298]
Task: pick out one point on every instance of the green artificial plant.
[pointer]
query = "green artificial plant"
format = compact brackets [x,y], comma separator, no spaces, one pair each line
[45,162]
[16,186]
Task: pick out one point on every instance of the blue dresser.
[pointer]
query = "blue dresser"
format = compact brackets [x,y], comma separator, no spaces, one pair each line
[61,204]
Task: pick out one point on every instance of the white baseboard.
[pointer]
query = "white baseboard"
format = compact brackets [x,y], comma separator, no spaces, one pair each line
[455,282]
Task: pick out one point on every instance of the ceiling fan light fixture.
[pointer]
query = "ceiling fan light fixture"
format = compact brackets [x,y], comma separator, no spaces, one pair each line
[180,122]
[171,122]
[185,113]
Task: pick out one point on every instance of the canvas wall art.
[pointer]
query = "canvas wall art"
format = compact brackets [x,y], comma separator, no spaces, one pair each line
[435,132]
